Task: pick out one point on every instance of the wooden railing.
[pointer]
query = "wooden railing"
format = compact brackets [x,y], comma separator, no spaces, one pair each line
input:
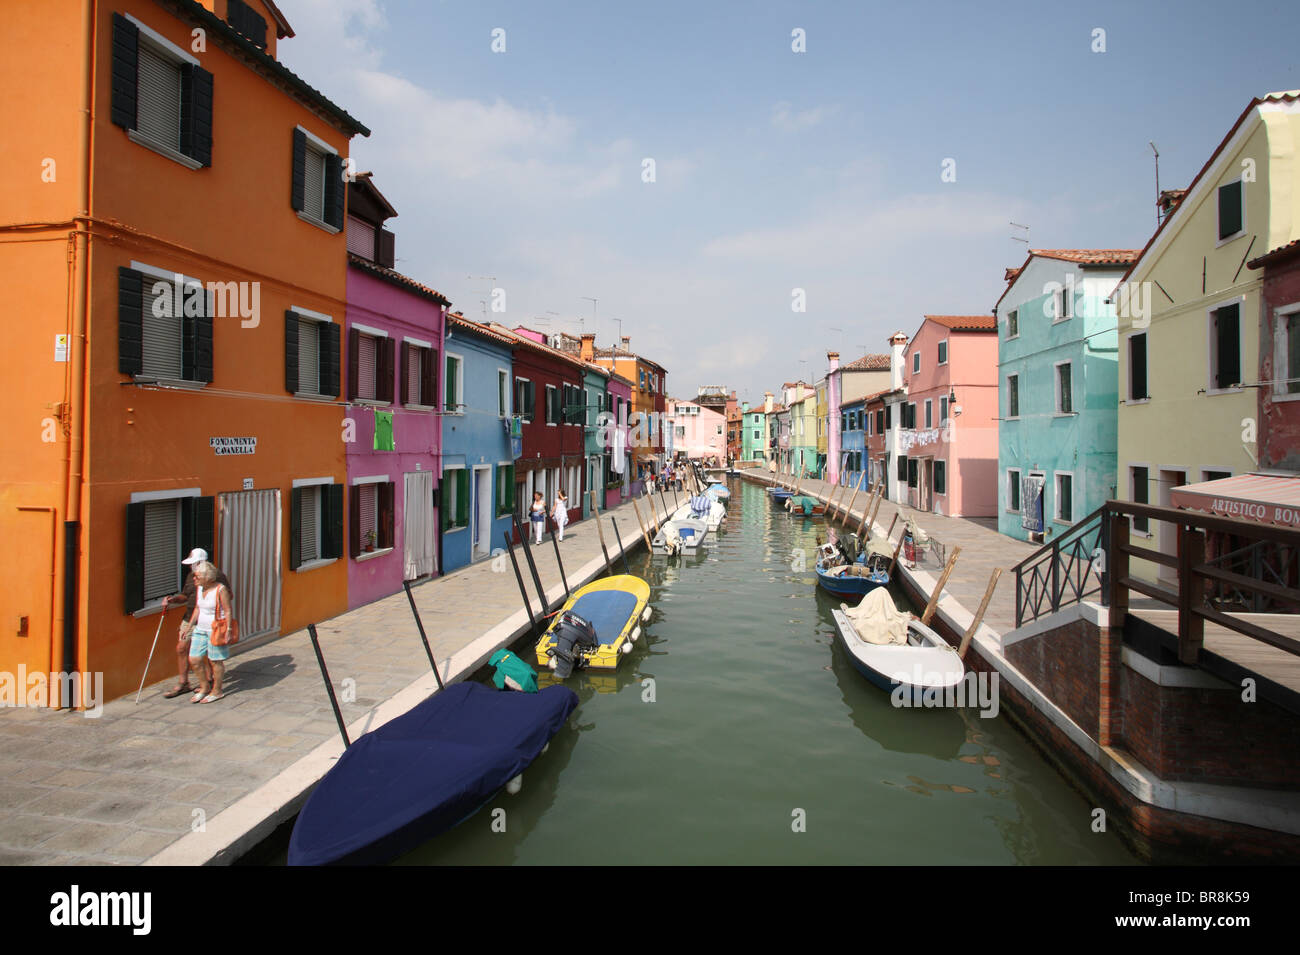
[1061,573]
[1196,575]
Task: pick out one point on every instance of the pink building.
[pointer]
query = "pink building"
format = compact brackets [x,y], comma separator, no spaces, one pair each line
[619,455]
[698,433]
[948,445]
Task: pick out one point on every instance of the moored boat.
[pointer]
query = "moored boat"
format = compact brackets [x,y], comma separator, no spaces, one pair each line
[425,771]
[895,650]
[679,535]
[802,504]
[597,625]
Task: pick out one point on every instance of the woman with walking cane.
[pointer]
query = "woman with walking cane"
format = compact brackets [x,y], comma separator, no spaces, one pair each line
[187,597]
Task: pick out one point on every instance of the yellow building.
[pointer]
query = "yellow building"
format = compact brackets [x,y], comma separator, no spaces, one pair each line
[1189,315]
[823,427]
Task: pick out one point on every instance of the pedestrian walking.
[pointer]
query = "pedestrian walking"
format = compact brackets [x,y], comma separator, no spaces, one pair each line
[560,512]
[537,516]
[212,600]
[187,597]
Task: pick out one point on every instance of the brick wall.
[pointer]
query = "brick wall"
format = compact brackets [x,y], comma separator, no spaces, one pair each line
[1063,664]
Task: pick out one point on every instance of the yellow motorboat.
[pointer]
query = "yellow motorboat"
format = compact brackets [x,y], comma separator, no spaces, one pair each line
[597,625]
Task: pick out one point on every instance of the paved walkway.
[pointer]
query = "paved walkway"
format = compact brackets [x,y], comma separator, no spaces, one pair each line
[170,782]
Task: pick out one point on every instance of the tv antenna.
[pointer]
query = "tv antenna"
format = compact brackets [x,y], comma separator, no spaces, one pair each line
[1016,238]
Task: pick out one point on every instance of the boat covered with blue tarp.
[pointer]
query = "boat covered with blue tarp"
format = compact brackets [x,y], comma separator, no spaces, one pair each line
[425,771]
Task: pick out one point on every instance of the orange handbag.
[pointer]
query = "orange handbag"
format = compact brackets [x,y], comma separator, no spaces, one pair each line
[225,630]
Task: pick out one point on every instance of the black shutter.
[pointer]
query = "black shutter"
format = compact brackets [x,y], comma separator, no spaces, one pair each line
[247,21]
[203,344]
[196,113]
[386,514]
[354,523]
[298,191]
[295,528]
[126,69]
[404,376]
[130,323]
[291,353]
[1137,360]
[334,190]
[1229,209]
[902,467]
[332,541]
[354,362]
[133,568]
[429,378]
[329,359]
[1228,372]
[197,525]
[387,355]
[385,253]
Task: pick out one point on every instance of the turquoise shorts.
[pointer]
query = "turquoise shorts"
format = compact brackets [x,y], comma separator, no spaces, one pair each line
[200,647]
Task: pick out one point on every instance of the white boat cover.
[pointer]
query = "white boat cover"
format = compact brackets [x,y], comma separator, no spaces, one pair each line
[877,620]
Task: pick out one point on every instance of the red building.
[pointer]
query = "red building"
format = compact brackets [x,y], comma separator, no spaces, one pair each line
[1279,360]
[550,404]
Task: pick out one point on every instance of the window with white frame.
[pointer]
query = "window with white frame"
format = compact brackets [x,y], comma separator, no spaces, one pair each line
[311,354]
[503,392]
[1225,347]
[419,373]
[1013,490]
[943,352]
[1013,324]
[1286,351]
[943,409]
[552,405]
[1232,210]
[162,535]
[367,365]
[454,385]
[929,413]
[1013,396]
[916,362]
[1063,304]
[368,513]
[164,333]
[525,399]
[315,522]
[1065,497]
[1064,388]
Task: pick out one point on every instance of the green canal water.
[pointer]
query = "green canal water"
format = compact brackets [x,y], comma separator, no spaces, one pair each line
[738,720]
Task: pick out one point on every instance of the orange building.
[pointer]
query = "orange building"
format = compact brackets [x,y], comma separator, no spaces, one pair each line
[649,394]
[171,207]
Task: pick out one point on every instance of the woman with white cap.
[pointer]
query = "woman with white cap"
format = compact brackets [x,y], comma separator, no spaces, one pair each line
[187,597]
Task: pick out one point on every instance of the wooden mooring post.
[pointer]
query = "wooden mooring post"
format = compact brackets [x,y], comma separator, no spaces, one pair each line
[847,514]
[938,588]
[969,635]
[639,521]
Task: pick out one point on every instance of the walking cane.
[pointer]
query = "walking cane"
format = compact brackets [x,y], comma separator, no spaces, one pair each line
[145,674]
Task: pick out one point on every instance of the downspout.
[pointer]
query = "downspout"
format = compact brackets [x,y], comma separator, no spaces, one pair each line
[76,404]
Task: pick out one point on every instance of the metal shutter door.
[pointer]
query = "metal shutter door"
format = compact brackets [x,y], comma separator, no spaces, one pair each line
[158,113]
[308,357]
[308,518]
[314,179]
[369,511]
[361,238]
[249,545]
[413,358]
[367,347]
[161,348]
[161,553]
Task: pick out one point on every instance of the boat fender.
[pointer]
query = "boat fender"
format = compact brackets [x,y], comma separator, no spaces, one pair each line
[515,784]
[636,634]
[646,614]
[627,647]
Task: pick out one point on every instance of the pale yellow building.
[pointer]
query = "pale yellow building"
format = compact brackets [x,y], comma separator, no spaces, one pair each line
[1189,317]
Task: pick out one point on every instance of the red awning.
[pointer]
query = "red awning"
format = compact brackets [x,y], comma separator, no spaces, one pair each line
[1262,498]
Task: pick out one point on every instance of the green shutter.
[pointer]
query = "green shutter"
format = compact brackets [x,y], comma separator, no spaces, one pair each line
[443,510]
[462,497]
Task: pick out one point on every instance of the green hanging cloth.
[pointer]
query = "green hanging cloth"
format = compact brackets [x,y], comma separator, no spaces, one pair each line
[384,431]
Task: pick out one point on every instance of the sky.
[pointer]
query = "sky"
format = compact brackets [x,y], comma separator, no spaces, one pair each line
[525,169]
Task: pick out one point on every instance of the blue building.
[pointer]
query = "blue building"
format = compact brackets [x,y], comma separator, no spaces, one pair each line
[478,467]
[1058,390]
[853,441]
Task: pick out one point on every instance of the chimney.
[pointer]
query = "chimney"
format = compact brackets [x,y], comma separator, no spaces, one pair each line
[588,350]
[767,402]
[627,343]
[1169,198]
[897,345]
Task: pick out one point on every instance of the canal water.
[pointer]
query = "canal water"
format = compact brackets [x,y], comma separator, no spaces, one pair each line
[737,732]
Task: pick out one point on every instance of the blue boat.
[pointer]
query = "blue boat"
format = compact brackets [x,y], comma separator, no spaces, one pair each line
[841,582]
[425,771]
[781,494]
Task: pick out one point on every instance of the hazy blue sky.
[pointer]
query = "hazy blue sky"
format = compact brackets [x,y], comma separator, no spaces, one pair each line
[775,170]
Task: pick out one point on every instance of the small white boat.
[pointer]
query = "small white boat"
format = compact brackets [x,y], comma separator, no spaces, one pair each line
[893,649]
[712,513]
[680,535]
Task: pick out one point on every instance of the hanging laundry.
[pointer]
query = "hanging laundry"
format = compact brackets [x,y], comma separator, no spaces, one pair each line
[384,431]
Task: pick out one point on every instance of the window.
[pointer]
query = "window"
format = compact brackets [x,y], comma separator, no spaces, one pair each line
[371,521]
[454,506]
[367,359]
[1063,303]
[1211,474]
[943,352]
[552,405]
[419,377]
[880,422]
[1139,490]
[1065,498]
[1064,395]
[902,467]
[757,435]
[164,332]
[1013,491]
[1013,396]
[1137,367]
[311,354]
[1225,347]
[503,393]
[940,477]
[1013,324]
[1286,352]
[911,415]
[641,373]
[505,489]
[913,470]
[889,415]
[371,364]
[361,238]
[1232,217]
[454,385]
[161,528]
[916,362]
[315,523]
[160,94]
[524,399]
[943,409]
[316,186]
[929,413]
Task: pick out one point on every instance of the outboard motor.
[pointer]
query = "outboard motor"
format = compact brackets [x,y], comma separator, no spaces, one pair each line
[573,635]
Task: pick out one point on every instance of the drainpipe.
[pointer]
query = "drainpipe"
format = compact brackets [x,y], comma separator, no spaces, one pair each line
[72,481]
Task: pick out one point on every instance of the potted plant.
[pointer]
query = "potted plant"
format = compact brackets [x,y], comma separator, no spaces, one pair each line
[369,542]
